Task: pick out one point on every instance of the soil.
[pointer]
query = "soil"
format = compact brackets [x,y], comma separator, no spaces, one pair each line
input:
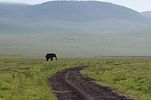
[69,84]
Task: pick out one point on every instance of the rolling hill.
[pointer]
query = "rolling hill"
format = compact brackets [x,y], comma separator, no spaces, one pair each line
[48,16]
[147,14]
[73,28]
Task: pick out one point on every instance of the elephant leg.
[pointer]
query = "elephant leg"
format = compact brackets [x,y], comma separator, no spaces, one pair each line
[47,59]
[51,58]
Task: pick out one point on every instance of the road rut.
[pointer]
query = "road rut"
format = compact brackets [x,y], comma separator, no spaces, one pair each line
[69,84]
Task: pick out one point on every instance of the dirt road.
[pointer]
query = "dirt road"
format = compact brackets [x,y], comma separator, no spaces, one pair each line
[71,85]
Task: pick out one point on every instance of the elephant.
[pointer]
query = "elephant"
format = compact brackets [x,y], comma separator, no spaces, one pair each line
[50,56]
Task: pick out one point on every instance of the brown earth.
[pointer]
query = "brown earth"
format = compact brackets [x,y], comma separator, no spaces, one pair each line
[69,84]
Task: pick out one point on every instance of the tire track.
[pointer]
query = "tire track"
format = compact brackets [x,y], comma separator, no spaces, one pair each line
[71,85]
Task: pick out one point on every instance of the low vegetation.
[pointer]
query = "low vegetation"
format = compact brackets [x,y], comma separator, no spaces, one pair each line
[27,79]
[131,77]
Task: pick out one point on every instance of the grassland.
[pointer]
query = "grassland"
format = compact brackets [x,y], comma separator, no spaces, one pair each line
[27,79]
[127,76]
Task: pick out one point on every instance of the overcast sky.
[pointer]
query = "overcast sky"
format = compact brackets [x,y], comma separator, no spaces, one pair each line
[138,5]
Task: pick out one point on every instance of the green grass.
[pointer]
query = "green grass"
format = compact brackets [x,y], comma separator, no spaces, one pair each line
[131,77]
[27,79]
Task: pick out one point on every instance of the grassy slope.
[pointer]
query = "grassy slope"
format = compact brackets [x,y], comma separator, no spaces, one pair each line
[27,79]
[131,77]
